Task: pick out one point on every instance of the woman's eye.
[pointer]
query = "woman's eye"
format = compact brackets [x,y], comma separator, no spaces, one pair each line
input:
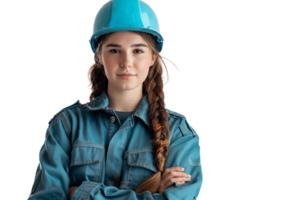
[139,51]
[113,50]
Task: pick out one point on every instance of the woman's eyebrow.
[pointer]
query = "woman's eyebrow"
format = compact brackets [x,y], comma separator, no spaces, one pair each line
[134,45]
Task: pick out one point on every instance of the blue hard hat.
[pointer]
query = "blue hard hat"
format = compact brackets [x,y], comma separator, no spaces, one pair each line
[125,15]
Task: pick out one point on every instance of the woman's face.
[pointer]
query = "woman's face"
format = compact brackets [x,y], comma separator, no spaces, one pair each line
[126,52]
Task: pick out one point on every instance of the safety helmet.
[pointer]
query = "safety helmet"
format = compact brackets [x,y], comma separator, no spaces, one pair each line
[125,15]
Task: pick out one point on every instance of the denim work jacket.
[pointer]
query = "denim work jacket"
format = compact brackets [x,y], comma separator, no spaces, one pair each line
[86,146]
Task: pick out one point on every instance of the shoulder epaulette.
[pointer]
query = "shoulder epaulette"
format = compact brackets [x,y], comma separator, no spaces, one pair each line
[188,123]
[74,103]
[175,113]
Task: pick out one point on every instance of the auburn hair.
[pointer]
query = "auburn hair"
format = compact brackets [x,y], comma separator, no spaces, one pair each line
[157,114]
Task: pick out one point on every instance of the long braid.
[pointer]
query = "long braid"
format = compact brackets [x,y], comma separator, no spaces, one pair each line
[158,118]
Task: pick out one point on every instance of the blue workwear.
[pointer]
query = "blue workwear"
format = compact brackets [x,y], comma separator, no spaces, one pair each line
[87,146]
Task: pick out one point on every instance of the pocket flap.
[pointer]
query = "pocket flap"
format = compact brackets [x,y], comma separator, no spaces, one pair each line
[143,159]
[82,155]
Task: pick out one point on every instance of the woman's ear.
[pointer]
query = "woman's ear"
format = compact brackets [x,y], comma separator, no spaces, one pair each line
[100,59]
[154,57]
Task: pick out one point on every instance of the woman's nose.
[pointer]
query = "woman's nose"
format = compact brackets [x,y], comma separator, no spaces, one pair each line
[126,60]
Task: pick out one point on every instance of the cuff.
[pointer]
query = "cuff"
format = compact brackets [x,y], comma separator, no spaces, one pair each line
[83,190]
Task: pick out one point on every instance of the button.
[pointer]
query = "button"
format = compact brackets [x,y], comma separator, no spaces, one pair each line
[112,119]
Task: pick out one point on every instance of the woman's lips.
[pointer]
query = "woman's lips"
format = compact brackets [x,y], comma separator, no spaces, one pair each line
[126,76]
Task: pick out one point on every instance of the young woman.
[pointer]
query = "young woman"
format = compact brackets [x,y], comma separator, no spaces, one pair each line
[124,143]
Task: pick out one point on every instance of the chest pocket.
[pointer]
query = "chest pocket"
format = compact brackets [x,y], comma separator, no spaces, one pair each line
[140,165]
[86,163]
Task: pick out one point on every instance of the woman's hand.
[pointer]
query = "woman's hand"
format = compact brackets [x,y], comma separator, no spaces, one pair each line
[71,191]
[171,175]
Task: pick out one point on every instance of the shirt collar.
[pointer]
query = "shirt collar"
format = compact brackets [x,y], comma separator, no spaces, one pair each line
[102,101]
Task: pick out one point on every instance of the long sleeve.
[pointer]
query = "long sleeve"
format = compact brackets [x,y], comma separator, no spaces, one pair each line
[183,152]
[52,181]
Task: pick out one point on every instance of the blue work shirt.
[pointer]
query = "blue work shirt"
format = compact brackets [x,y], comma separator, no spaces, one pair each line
[86,145]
